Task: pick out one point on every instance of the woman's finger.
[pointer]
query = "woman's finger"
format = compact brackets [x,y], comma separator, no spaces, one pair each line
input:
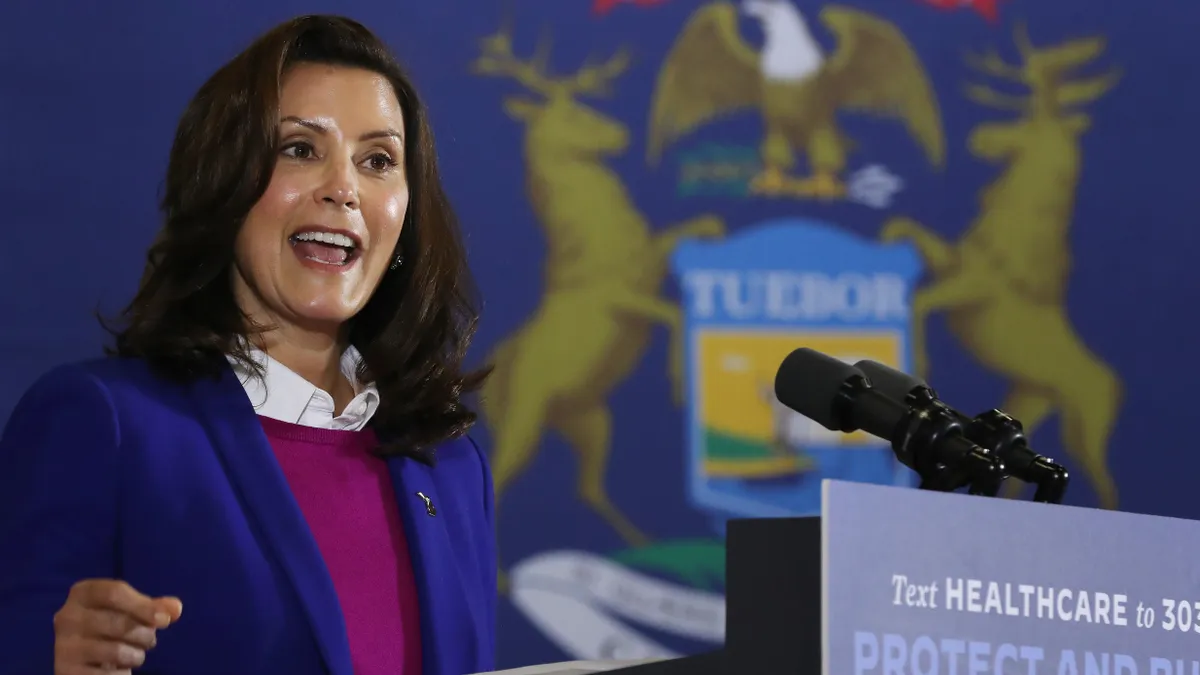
[81,669]
[100,653]
[119,596]
[118,627]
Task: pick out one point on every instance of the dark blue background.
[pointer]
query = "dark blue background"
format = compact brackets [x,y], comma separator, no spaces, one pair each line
[91,93]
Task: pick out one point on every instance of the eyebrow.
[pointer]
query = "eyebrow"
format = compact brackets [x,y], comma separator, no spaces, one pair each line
[322,129]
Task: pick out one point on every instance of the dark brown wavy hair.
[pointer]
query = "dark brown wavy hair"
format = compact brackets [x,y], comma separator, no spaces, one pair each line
[415,330]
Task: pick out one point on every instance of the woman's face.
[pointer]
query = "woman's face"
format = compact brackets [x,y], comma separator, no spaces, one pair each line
[313,249]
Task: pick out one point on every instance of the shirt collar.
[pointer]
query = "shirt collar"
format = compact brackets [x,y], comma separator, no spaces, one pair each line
[282,394]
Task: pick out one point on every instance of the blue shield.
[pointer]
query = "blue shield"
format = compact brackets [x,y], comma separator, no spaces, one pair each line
[751,299]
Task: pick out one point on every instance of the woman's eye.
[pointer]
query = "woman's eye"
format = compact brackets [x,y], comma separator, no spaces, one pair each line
[380,162]
[298,151]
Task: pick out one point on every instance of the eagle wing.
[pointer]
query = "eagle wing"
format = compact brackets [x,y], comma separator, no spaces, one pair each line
[710,72]
[875,70]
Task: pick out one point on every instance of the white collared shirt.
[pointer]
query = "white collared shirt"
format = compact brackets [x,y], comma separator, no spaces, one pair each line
[285,396]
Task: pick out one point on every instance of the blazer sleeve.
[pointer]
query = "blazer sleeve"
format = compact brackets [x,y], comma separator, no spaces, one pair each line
[58,508]
[490,562]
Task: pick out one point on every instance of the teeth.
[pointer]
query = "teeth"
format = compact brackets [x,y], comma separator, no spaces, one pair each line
[326,238]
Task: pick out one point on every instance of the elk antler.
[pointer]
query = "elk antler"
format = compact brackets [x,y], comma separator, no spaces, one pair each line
[986,96]
[1024,44]
[1086,90]
[991,64]
[497,60]
[1043,71]
[1057,61]
[597,79]
[1048,65]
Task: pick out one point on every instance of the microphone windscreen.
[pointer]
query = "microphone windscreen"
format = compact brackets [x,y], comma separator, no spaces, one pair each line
[809,381]
[888,381]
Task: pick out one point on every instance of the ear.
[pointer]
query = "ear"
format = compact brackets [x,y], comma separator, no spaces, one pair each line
[520,108]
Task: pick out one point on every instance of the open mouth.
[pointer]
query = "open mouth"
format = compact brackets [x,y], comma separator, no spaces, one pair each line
[326,248]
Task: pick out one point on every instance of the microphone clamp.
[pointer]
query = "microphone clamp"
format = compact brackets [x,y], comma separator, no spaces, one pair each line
[929,438]
[1005,436]
[962,462]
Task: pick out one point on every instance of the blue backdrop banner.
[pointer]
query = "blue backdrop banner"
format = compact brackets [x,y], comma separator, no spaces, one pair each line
[661,199]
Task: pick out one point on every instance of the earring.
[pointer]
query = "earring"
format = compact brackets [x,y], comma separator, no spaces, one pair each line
[397,262]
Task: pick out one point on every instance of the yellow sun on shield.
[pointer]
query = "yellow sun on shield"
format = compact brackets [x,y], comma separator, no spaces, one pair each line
[748,433]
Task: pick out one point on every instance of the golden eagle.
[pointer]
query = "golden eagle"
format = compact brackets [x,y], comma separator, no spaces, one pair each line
[711,72]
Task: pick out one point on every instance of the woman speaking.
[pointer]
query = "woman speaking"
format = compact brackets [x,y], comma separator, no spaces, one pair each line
[270,472]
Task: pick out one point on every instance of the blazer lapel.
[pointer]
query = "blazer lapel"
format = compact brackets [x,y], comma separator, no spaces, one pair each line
[250,463]
[443,600]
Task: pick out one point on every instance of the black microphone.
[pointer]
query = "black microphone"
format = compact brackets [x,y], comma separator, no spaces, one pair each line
[993,430]
[839,397]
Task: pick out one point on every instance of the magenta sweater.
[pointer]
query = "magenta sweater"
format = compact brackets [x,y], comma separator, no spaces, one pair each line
[346,495]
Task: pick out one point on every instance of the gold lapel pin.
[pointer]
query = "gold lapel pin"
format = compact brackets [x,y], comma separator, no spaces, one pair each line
[429,507]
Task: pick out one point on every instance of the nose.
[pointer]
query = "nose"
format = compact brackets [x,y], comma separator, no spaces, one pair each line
[340,187]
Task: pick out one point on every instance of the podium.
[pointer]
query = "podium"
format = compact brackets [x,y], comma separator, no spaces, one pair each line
[893,581]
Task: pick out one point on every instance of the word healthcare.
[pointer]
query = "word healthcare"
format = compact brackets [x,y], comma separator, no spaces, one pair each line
[1009,599]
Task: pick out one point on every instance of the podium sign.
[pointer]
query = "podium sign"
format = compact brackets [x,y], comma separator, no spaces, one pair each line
[928,583]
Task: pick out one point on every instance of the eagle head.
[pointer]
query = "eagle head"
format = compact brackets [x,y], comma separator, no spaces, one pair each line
[768,11]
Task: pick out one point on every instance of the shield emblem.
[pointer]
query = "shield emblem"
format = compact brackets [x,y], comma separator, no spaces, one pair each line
[748,301]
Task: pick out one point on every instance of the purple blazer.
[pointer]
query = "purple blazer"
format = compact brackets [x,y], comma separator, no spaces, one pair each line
[109,471]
